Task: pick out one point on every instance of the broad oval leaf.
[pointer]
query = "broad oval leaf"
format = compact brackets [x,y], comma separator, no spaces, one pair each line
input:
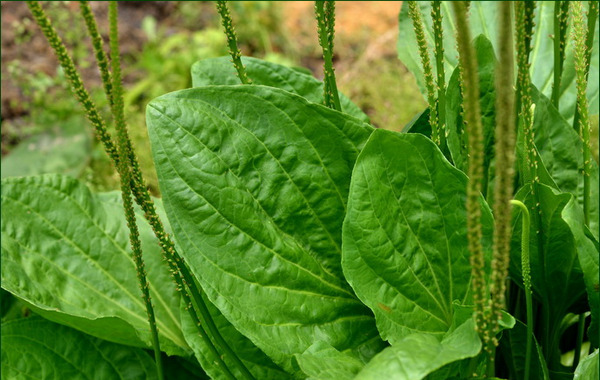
[66,252]
[483,19]
[417,355]
[255,181]
[220,71]
[35,348]
[404,237]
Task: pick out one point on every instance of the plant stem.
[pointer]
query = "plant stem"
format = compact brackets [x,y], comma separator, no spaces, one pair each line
[471,106]
[234,50]
[579,341]
[125,174]
[579,36]
[504,152]
[415,15]
[325,15]
[561,16]
[526,272]
[138,186]
[525,13]
[438,36]
[581,74]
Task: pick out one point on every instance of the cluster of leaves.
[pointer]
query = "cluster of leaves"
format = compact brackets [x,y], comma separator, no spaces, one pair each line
[325,248]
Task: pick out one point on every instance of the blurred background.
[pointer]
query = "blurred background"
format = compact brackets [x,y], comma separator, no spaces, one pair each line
[44,128]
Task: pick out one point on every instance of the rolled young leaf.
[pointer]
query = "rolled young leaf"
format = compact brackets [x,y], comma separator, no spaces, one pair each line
[404,237]
[255,182]
[36,348]
[65,251]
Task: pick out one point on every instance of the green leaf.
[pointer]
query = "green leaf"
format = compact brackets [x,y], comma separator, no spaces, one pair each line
[588,368]
[34,348]
[556,276]
[417,355]
[404,237]
[259,364]
[66,252]
[483,19]
[513,346]
[589,259]
[219,71]
[323,362]
[457,139]
[59,150]
[255,182]
[561,150]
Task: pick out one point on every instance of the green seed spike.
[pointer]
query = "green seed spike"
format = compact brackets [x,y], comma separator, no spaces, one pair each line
[526,273]
[505,157]
[561,17]
[97,43]
[142,197]
[325,15]
[234,51]
[438,36]
[74,78]
[125,174]
[589,42]
[470,86]
[415,15]
[579,36]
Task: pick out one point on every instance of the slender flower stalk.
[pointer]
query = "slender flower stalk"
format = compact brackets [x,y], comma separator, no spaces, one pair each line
[182,275]
[125,174]
[505,157]
[526,272]
[524,23]
[472,111]
[74,78]
[438,37]
[97,43]
[579,36]
[561,17]
[325,15]
[589,42]
[415,15]
[581,74]
[234,51]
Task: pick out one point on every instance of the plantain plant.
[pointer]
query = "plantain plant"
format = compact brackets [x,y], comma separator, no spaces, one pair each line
[293,240]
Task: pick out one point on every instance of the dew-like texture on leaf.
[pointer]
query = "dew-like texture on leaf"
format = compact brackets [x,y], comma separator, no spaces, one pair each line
[483,19]
[255,182]
[220,71]
[404,237]
[66,252]
[259,364]
[417,355]
[34,348]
